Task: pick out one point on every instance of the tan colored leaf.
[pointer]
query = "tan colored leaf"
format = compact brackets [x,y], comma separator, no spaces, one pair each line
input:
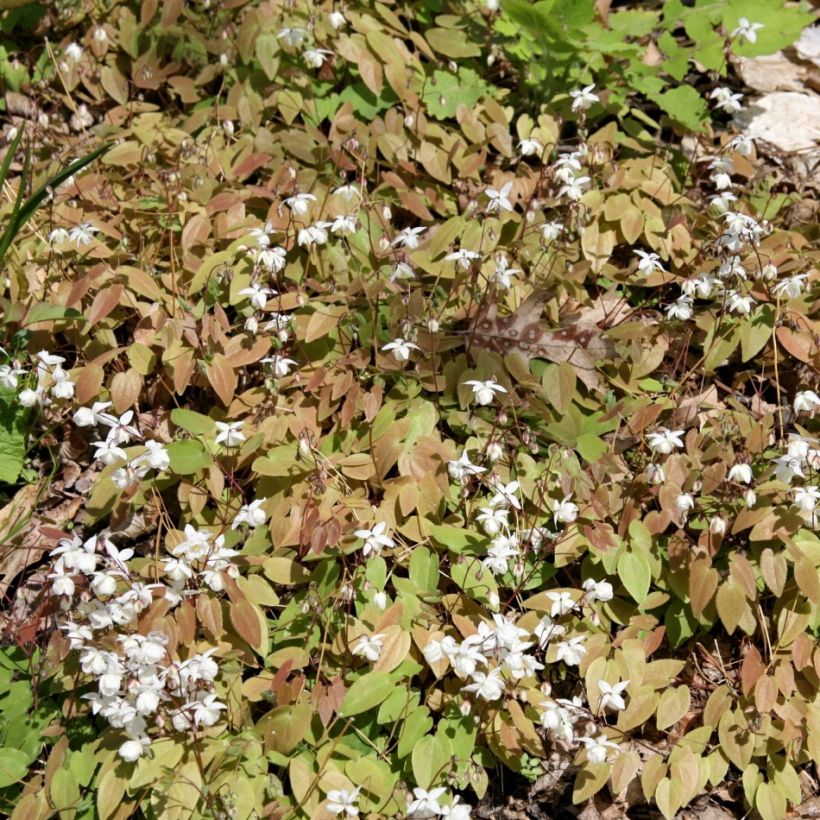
[223,378]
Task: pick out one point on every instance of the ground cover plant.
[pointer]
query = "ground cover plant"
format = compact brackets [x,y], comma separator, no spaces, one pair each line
[401,403]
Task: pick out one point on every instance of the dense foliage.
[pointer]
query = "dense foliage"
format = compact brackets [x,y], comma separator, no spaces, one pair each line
[395,392]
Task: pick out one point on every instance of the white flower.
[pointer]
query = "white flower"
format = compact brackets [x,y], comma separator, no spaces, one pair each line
[229,433]
[380,600]
[463,467]
[344,224]
[725,99]
[530,147]
[737,303]
[341,801]
[401,349]
[502,275]
[665,441]
[484,391]
[806,401]
[94,415]
[300,203]
[806,498]
[257,295]
[156,457]
[741,144]
[583,98]
[502,549]
[207,711]
[29,397]
[562,602]
[108,451]
[58,236]
[598,748]
[655,473]
[571,652]
[701,286]
[133,749]
[292,36]
[648,262]
[684,503]
[488,686]
[680,309]
[741,473]
[723,201]
[315,57]
[408,238]
[551,231]
[251,514]
[315,234]
[279,364]
[9,375]
[598,590]
[463,258]
[574,189]
[612,696]
[375,539]
[505,495]
[337,20]
[791,287]
[62,582]
[426,803]
[499,198]
[457,810]
[347,192]
[492,519]
[564,512]
[73,52]
[494,451]
[369,646]
[82,234]
[274,259]
[717,525]
[546,629]
[746,30]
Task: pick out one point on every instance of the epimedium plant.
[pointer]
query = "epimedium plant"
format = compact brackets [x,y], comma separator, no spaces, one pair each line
[421,418]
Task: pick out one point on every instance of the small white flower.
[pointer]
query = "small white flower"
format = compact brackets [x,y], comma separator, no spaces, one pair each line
[562,602]
[806,401]
[598,590]
[648,262]
[492,519]
[463,467]
[9,375]
[108,451]
[400,349]
[551,231]
[565,511]
[530,147]
[133,749]
[574,189]
[484,391]
[737,303]
[489,686]
[655,473]
[717,525]
[73,52]
[806,498]
[292,36]
[251,514]
[315,234]
[426,803]
[463,258]
[316,57]
[273,259]
[503,274]
[684,503]
[583,98]
[229,433]
[571,652]
[746,30]
[665,441]
[374,539]
[58,236]
[612,696]
[408,238]
[791,287]
[598,748]
[344,224]
[82,234]
[280,365]
[768,272]
[369,646]
[680,309]
[741,473]
[337,20]
[499,198]
[300,203]
[726,100]
[341,801]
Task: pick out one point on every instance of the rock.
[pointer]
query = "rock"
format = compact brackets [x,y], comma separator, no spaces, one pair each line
[808,46]
[772,72]
[788,120]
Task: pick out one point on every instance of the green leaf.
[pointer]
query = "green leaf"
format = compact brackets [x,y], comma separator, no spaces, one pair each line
[635,573]
[431,760]
[13,766]
[12,437]
[191,422]
[756,331]
[44,312]
[454,538]
[451,90]
[684,105]
[187,457]
[367,692]
[424,569]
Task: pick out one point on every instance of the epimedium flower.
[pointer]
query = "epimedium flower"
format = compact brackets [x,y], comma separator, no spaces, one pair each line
[280,365]
[251,514]
[342,801]
[572,651]
[739,303]
[425,803]
[316,57]
[344,224]
[791,287]
[374,539]
[680,309]
[463,258]
[503,274]
[598,748]
[746,30]
[229,433]
[562,602]
[726,100]
[530,147]
[612,695]
[484,391]
[806,498]
[806,401]
[257,295]
[82,234]
[505,495]
[665,441]
[584,98]
[408,238]
[499,198]
[741,473]
[299,204]
[684,503]
[493,519]
[648,262]
[369,646]
[487,686]
[463,467]
[564,511]
[598,590]
[400,349]
[550,231]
